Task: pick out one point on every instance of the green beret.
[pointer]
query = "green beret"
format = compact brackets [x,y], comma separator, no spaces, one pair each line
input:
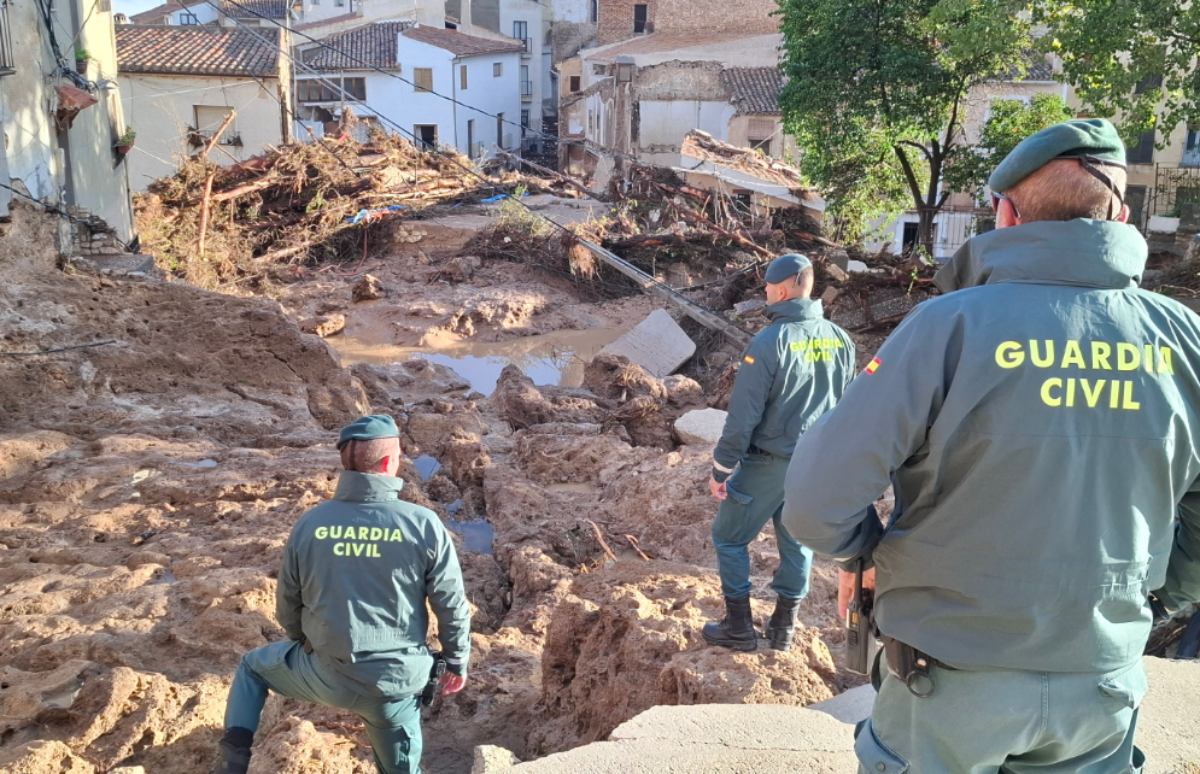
[785,267]
[1095,138]
[368,428]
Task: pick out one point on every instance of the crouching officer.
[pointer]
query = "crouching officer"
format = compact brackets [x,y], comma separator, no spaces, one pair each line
[793,371]
[1040,427]
[356,574]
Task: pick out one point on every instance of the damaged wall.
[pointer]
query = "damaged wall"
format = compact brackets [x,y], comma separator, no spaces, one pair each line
[753,16]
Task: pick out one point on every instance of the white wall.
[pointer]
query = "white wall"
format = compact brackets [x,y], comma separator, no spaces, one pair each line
[204,13]
[161,108]
[576,11]
[538,59]
[430,12]
[399,102]
[83,172]
[665,122]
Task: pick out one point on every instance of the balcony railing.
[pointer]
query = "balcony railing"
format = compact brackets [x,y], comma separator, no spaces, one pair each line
[7,61]
[526,46]
[526,90]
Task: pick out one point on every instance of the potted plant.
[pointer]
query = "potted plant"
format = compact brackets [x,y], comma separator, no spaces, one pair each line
[81,60]
[125,142]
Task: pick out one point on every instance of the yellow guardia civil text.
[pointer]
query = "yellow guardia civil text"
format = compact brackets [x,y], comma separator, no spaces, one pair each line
[817,350]
[1110,365]
[357,540]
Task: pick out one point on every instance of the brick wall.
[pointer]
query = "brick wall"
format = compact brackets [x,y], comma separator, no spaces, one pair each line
[744,16]
[614,19]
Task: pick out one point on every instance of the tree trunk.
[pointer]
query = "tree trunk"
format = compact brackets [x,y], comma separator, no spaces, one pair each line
[925,230]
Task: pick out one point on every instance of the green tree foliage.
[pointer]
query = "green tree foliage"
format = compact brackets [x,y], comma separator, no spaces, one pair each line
[876,91]
[1130,58]
[1011,121]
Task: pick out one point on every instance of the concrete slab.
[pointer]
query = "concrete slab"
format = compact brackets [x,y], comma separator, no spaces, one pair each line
[719,738]
[657,344]
[127,265]
[701,427]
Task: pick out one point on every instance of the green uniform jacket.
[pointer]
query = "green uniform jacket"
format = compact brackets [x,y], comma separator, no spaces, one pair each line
[793,371]
[1040,429]
[357,571]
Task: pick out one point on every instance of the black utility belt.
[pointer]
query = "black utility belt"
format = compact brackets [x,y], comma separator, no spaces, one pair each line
[911,666]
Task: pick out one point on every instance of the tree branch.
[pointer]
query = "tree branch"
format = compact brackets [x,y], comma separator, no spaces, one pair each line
[918,146]
[910,177]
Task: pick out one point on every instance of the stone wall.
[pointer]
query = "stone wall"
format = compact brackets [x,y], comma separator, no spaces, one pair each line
[745,16]
[615,19]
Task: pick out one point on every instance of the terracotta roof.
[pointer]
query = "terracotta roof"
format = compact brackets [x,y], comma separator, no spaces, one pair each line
[461,44]
[196,50]
[256,9]
[371,45]
[753,90]
[158,14]
[1037,68]
[702,146]
[665,42]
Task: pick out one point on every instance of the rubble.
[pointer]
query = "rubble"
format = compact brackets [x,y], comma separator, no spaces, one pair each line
[368,288]
[702,427]
[326,325]
[657,344]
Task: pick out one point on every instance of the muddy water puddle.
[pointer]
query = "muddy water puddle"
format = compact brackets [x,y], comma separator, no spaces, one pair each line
[556,358]
[477,534]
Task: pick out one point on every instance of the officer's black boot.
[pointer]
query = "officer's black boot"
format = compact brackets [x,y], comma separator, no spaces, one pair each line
[782,625]
[235,751]
[736,630]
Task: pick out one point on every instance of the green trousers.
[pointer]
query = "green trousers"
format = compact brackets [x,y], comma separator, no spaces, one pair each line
[755,496]
[393,724]
[983,722]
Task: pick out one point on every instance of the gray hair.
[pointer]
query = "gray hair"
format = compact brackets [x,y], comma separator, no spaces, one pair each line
[364,456]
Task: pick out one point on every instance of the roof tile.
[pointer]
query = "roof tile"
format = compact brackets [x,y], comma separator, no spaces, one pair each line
[753,90]
[196,50]
[461,44]
[371,45]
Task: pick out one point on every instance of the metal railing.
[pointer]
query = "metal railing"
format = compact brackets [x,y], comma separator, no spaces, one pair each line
[526,90]
[1176,191]
[526,46]
[7,60]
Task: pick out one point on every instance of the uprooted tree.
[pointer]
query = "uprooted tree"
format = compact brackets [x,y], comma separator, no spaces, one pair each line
[877,90]
[1136,59]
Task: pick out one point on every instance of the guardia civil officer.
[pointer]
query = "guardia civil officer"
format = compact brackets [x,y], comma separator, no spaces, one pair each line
[793,371]
[1039,426]
[357,572]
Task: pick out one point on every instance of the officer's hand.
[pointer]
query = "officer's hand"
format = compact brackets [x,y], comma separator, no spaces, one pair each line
[717,490]
[451,683]
[846,588]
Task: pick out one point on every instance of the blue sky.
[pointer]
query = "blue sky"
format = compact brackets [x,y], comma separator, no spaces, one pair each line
[134,6]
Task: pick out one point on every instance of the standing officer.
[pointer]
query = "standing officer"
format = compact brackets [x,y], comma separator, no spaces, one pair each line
[794,370]
[356,574]
[1039,426]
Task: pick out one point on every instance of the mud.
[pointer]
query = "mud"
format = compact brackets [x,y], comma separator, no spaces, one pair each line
[147,487]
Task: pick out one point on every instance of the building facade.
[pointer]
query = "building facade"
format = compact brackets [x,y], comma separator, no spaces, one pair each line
[60,113]
[480,76]
[179,83]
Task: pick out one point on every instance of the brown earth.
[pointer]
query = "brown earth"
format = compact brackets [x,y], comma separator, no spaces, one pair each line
[147,487]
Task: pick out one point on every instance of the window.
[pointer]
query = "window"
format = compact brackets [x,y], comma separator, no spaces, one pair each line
[322,91]
[524,120]
[599,69]
[1143,152]
[7,61]
[594,11]
[759,133]
[639,18]
[574,83]
[208,119]
[426,135]
[526,84]
[497,69]
[462,77]
[1191,152]
[500,129]
[470,136]
[187,17]
[1135,197]
[423,78]
[521,33]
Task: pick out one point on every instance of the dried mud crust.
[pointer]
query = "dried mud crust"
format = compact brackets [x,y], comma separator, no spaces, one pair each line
[147,488]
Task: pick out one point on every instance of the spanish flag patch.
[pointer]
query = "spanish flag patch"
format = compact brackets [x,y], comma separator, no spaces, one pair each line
[748,360]
[873,366]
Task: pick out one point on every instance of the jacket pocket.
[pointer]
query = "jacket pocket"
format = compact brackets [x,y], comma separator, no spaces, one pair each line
[1126,687]
[739,497]
[874,754]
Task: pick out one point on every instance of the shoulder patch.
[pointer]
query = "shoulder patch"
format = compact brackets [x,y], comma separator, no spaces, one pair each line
[748,360]
[873,366]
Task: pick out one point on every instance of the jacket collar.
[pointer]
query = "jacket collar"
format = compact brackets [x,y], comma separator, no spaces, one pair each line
[1087,253]
[367,487]
[796,309]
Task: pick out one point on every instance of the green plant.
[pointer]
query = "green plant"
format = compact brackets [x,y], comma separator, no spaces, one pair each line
[81,54]
[127,137]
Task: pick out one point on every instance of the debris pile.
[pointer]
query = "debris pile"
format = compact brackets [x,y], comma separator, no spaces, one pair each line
[325,201]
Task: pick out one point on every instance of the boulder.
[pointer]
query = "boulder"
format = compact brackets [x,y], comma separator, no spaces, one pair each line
[701,427]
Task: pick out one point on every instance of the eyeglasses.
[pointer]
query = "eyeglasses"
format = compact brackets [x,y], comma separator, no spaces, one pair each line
[998,197]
